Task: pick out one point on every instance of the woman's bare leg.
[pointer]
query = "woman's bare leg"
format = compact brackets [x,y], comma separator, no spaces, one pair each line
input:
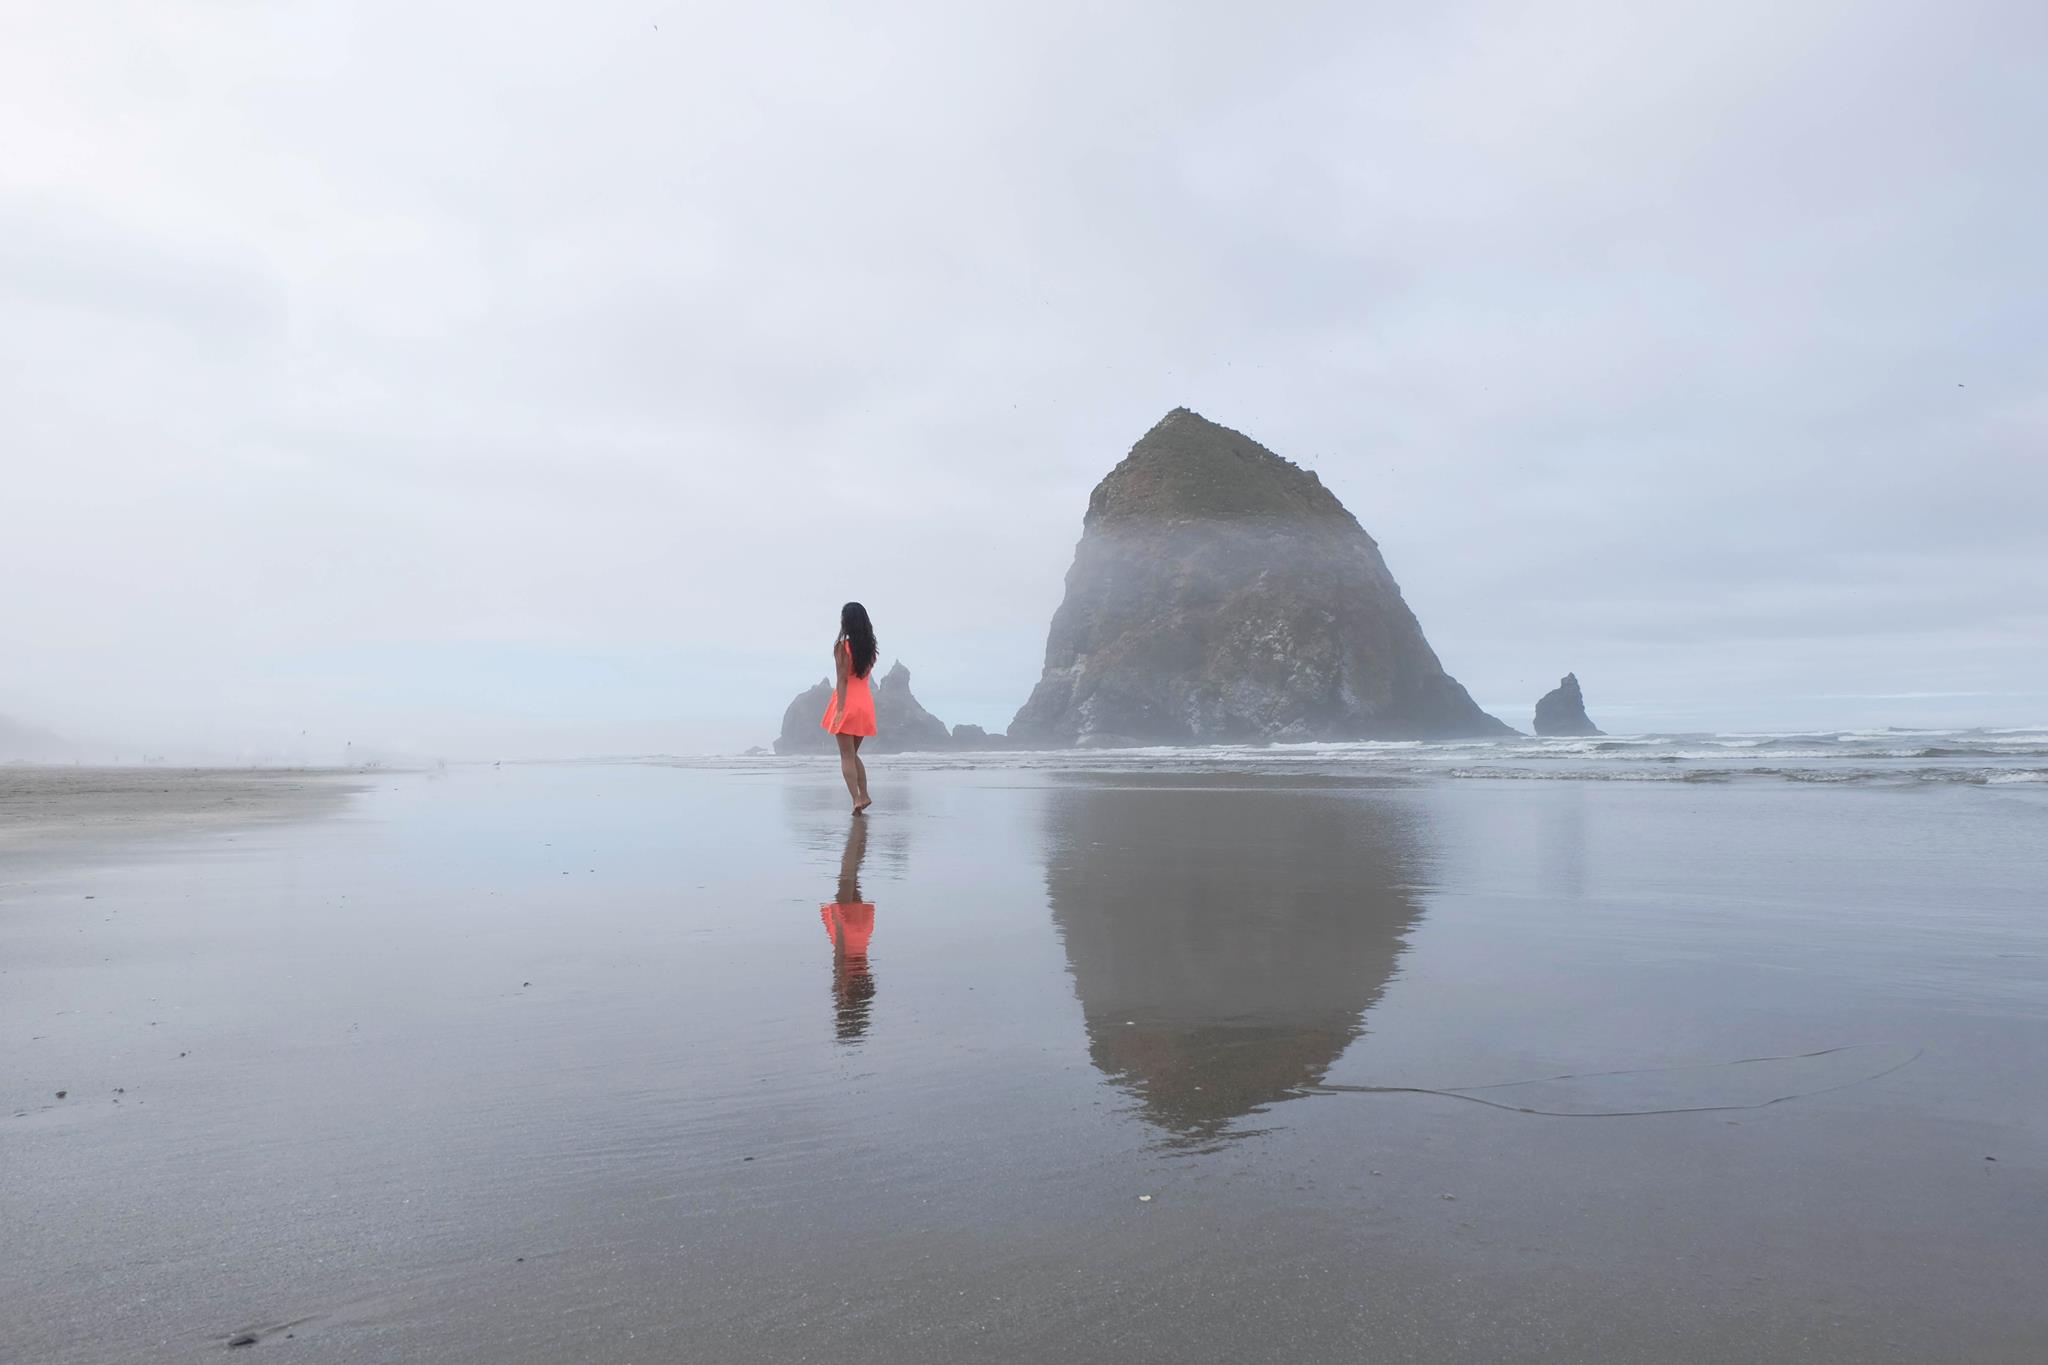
[861,799]
[849,767]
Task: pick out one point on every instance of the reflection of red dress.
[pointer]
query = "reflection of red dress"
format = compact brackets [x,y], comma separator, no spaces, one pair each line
[850,924]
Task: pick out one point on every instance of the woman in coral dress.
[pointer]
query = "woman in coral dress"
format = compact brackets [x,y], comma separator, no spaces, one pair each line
[850,715]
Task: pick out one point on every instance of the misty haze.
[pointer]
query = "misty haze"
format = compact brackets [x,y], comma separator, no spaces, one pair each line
[1102,683]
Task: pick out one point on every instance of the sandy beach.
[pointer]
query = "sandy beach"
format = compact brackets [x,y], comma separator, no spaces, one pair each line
[1440,605]
[47,809]
[1142,1062]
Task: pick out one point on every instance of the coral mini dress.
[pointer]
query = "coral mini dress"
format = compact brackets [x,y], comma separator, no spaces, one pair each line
[860,703]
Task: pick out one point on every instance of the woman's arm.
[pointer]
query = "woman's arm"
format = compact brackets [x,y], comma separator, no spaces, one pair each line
[844,667]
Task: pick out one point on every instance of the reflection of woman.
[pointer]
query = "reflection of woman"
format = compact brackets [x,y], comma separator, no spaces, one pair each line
[851,714]
[850,921]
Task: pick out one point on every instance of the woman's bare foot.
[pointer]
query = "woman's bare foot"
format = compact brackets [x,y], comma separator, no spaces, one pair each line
[860,807]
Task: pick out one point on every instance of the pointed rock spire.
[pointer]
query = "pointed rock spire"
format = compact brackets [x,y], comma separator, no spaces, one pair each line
[1562,710]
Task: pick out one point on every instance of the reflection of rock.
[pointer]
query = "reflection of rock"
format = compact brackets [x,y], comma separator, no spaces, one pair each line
[1562,711]
[1225,945]
[900,722]
[1220,593]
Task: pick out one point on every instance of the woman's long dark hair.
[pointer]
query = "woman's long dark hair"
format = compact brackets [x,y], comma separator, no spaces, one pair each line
[854,625]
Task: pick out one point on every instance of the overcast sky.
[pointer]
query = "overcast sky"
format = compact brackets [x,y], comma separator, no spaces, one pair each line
[539,378]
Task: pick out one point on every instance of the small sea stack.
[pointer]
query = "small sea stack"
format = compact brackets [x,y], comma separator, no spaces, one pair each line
[901,723]
[1562,710]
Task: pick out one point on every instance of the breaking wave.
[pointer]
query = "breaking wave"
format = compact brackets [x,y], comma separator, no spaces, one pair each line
[2008,757]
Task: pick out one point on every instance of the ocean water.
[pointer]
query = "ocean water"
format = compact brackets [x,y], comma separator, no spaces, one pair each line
[1657,1048]
[1890,756]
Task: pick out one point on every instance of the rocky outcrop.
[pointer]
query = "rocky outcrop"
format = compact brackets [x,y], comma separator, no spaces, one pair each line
[900,722]
[1220,593]
[801,733]
[974,737]
[898,715]
[1562,710]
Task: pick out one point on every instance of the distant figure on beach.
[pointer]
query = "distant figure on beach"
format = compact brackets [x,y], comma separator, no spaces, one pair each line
[850,921]
[850,715]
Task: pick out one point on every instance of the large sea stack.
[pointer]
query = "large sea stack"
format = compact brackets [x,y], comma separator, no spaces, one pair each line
[1562,710]
[1221,594]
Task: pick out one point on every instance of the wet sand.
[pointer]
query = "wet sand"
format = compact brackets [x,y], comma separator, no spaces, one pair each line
[637,1063]
[43,809]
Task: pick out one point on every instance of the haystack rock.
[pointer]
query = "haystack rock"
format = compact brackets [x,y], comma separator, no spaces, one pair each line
[1562,710]
[1221,594]
[900,722]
